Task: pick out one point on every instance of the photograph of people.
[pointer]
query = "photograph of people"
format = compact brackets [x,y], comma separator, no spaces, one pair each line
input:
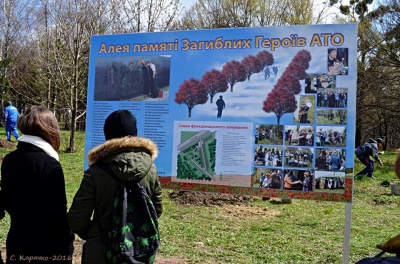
[327,81]
[332,98]
[332,117]
[268,178]
[268,156]
[269,134]
[316,81]
[132,78]
[309,87]
[327,181]
[304,113]
[298,157]
[337,61]
[298,180]
[330,136]
[299,135]
[330,159]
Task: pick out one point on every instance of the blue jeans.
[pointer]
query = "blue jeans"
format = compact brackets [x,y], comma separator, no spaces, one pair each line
[368,163]
[11,128]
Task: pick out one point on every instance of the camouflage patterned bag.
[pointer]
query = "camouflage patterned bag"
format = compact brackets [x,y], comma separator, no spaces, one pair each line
[133,236]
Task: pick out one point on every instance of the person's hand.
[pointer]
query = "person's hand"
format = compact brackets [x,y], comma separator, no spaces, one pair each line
[336,65]
[381,163]
[391,246]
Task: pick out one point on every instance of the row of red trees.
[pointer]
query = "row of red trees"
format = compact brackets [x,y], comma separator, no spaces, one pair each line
[194,92]
[281,99]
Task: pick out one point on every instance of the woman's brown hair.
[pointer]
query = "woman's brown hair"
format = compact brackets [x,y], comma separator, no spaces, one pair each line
[40,121]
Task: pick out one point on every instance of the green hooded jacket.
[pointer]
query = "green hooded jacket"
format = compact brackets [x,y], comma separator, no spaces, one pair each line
[131,159]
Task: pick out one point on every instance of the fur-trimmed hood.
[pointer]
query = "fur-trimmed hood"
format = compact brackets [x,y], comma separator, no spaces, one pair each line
[130,158]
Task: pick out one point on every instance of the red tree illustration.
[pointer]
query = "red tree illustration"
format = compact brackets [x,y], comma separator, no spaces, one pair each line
[299,64]
[252,65]
[191,93]
[304,55]
[289,82]
[280,101]
[234,72]
[265,58]
[214,82]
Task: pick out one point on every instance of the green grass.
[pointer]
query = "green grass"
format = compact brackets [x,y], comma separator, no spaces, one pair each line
[267,231]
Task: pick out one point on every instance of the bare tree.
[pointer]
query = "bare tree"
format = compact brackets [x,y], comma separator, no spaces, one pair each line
[63,36]
[245,13]
[205,14]
[15,21]
[128,16]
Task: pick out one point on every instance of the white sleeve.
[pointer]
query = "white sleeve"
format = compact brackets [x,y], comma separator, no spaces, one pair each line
[153,67]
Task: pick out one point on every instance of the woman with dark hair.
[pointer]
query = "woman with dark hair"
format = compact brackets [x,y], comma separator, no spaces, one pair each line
[33,193]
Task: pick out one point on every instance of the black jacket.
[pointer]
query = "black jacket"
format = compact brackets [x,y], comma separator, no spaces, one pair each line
[33,193]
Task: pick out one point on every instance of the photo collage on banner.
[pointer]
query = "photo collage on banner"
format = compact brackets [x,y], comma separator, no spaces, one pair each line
[314,146]
[256,111]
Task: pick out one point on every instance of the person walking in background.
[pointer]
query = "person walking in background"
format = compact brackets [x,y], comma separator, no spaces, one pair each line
[220,105]
[10,119]
[131,159]
[364,152]
[33,192]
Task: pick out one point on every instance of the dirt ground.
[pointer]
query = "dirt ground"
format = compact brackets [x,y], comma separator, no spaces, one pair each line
[7,144]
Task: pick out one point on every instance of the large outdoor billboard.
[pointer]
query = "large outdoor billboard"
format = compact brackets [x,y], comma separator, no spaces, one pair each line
[266,111]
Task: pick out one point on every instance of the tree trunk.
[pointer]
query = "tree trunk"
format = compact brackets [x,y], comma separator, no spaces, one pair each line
[71,148]
[279,118]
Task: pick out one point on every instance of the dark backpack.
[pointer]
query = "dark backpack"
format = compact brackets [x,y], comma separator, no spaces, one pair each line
[133,235]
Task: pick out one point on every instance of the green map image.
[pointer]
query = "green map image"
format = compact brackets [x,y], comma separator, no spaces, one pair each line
[196,155]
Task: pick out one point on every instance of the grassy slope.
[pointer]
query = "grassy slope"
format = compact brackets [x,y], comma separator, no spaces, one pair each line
[267,232]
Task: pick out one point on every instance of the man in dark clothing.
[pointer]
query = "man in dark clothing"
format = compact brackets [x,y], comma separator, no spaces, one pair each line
[221,105]
[152,82]
[146,79]
[364,152]
[331,99]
